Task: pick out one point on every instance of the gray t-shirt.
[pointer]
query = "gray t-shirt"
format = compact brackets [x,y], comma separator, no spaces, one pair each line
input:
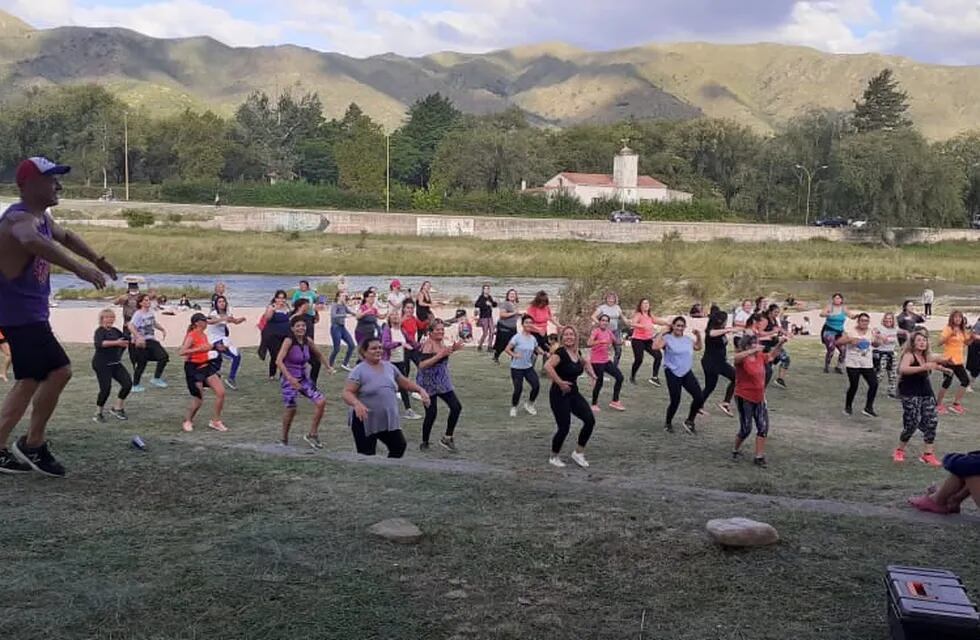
[615,313]
[145,323]
[889,338]
[511,322]
[377,390]
[338,313]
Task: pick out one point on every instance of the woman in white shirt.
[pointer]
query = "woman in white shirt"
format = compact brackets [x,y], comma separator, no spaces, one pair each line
[220,337]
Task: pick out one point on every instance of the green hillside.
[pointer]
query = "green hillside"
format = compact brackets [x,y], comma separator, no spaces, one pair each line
[760,85]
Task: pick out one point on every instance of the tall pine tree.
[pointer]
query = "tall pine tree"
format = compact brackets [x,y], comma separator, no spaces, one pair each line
[883,106]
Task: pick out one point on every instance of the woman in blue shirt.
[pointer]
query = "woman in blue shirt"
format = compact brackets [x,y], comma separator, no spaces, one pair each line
[522,349]
[835,315]
[678,363]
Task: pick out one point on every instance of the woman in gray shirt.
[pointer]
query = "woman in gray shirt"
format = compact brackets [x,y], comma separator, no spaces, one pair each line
[338,330]
[371,394]
[507,324]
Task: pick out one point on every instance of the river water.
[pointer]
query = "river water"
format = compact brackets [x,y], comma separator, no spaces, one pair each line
[256,290]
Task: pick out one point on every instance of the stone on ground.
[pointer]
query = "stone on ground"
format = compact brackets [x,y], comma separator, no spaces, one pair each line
[742,532]
[397,530]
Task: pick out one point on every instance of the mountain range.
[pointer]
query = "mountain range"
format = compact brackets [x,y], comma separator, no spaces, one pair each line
[760,85]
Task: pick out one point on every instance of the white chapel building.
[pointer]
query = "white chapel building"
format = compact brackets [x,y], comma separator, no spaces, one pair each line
[623,184]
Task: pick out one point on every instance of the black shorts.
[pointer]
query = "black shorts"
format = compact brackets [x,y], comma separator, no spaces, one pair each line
[34,351]
[199,374]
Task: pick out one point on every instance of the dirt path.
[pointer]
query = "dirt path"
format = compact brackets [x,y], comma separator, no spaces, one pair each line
[620,484]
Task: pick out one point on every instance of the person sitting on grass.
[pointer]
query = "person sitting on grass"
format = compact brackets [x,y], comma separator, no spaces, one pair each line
[963,482]
[750,393]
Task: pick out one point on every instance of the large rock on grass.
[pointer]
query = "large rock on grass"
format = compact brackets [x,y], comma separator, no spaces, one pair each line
[742,532]
[397,530]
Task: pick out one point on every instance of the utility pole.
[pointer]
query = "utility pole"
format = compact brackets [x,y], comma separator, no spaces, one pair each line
[126,151]
[809,185]
[387,172]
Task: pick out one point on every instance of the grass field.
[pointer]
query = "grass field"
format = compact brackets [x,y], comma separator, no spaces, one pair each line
[194,251]
[225,536]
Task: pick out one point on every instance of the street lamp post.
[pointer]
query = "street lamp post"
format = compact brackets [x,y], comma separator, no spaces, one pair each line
[809,185]
[387,172]
[126,151]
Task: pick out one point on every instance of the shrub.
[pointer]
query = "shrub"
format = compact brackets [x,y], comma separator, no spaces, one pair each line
[136,218]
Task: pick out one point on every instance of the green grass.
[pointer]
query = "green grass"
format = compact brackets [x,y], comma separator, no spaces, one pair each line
[196,251]
[200,538]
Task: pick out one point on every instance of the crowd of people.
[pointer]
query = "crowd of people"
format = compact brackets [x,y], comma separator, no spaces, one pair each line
[399,330]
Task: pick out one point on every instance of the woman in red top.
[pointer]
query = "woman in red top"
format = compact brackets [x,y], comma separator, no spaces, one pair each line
[410,332]
[644,326]
[750,393]
[540,312]
[200,369]
[601,341]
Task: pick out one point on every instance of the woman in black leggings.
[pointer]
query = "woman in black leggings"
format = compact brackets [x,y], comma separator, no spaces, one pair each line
[564,367]
[715,363]
[644,326]
[522,349]
[678,361]
[110,344]
[433,376]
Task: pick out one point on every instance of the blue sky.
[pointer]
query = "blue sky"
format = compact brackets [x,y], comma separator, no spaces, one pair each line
[944,31]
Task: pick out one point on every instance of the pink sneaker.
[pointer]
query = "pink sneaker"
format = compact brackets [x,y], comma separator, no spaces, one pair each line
[941,409]
[595,408]
[899,455]
[617,406]
[957,408]
[925,503]
[217,425]
[188,426]
[930,459]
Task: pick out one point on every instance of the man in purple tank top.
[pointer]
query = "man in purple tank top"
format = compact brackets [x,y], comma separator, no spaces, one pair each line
[30,242]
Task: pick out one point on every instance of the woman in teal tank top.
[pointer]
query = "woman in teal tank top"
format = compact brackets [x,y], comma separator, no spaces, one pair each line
[835,315]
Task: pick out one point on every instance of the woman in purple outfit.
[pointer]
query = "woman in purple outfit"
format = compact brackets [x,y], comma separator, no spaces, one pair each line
[295,353]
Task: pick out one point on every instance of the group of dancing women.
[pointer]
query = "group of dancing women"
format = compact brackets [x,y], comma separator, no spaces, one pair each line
[397,331]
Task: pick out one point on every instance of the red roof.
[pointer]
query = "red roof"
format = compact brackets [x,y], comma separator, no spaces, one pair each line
[606,180]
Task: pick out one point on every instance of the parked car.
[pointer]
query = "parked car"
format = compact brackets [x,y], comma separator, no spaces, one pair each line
[830,222]
[622,215]
[858,224]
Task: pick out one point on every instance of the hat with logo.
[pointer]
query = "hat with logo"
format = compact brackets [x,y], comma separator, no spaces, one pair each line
[33,168]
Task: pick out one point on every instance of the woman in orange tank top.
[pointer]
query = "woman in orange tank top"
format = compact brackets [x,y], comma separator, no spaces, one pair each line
[201,368]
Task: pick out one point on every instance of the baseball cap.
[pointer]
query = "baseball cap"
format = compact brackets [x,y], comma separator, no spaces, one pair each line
[396,283]
[36,167]
[198,317]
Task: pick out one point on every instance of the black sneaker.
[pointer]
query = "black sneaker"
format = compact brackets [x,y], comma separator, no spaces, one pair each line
[655,381]
[839,369]
[689,427]
[781,383]
[424,446]
[447,444]
[118,414]
[10,464]
[632,380]
[869,412]
[669,428]
[99,417]
[760,462]
[313,441]
[39,459]
[736,456]
[848,411]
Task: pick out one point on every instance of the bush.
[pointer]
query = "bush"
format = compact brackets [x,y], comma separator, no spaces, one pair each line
[136,218]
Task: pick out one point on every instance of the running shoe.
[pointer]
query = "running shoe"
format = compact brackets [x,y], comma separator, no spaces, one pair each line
[39,459]
[448,444]
[99,417]
[346,367]
[118,414]
[231,384]
[655,381]
[579,459]
[595,408]
[760,461]
[781,383]
[423,446]
[513,412]
[839,369]
[869,412]
[736,456]
[632,380]
[726,409]
[898,455]
[617,406]
[415,394]
[703,413]
[159,383]
[138,388]
[555,461]
[848,412]
[969,389]
[689,427]
[283,443]
[826,369]
[313,441]
[411,415]
[217,425]
[530,409]
[188,426]
[930,459]
[926,503]
[941,409]
[957,408]
[669,428]
[10,464]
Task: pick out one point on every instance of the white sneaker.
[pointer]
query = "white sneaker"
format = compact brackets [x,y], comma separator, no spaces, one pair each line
[411,415]
[513,412]
[555,461]
[416,396]
[579,459]
[530,408]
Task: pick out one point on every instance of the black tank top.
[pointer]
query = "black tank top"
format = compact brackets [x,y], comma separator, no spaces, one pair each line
[567,369]
[915,385]
[715,349]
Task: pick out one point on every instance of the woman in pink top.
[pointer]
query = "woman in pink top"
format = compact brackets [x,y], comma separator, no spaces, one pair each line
[600,342]
[540,312]
[644,327]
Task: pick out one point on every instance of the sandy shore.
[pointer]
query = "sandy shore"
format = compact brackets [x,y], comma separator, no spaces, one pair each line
[78,325]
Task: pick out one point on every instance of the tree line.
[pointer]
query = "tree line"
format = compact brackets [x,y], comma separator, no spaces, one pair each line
[868,163]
